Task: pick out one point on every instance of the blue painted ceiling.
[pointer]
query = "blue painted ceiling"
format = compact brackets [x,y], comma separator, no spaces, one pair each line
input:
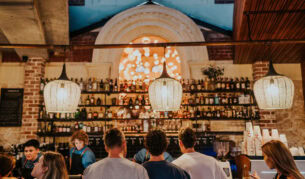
[206,11]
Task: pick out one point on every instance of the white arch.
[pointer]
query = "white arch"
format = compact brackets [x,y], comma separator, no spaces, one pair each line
[155,20]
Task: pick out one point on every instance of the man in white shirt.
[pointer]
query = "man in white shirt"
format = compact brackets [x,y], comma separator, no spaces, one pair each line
[115,165]
[198,165]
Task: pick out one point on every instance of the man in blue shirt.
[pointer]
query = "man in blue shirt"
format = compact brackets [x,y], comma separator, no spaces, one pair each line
[158,168]
[144,156]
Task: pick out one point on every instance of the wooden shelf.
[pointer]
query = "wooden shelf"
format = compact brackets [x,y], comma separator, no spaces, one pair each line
[67,134]
[111,119]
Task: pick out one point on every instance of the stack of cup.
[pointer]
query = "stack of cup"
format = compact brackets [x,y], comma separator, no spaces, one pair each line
[266,136]
[258,141]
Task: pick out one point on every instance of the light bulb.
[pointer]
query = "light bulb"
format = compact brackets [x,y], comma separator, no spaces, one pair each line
[62,93]
[272,89]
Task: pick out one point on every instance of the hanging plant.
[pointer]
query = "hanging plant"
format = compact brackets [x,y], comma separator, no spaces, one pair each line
[212,71]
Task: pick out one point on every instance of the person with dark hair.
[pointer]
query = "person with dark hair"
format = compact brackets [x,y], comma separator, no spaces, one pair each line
[31,156]
[115,165]
[7,165]
[158,168]
[51,165]
[144,156]
[198,165]
[81,156]
[277,156]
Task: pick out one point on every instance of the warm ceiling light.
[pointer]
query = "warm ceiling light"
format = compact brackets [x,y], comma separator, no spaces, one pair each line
[274,91]
[165,93]
[61,95]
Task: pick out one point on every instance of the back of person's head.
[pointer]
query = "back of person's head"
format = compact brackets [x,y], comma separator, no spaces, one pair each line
[56,166]
[32,143]
[188,137]
[7,165]
[81,136]
[156,142]
[281,158]
[113,138]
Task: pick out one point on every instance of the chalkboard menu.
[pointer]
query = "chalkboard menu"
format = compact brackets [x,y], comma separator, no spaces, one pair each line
[11,106]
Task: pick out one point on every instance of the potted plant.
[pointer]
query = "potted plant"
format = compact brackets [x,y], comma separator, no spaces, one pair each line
[212,71]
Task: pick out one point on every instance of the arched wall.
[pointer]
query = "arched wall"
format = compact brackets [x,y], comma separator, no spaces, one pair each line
[154,20]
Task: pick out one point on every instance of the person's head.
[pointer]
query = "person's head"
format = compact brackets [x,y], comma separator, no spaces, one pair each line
[31,149]
[156,142]
[50,165]
[114,141]
[7,165]
[79,139]
[277,156]
[187,139]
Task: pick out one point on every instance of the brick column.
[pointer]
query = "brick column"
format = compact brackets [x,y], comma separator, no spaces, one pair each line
[268,119]
[34,71]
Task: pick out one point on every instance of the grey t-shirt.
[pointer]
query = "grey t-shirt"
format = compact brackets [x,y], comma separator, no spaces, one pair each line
[114,168]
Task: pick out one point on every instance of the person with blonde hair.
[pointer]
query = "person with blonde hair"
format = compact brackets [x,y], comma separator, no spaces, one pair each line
[81,156]
[50,166]
[277,156]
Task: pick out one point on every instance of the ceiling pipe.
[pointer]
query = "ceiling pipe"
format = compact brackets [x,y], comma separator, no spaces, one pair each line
[176,44]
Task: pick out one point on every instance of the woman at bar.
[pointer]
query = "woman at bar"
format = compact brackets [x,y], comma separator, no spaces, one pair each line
[81,156]
[7,164]
[50,165]
[277,156]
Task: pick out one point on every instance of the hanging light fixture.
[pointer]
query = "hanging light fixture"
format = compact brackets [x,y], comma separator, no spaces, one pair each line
[61,95]
[274,91]
[165,93]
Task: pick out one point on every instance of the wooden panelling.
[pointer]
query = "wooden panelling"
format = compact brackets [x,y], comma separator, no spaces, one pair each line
[269,19]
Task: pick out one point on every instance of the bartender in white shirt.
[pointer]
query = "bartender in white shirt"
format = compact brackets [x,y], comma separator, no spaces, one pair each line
[198,165]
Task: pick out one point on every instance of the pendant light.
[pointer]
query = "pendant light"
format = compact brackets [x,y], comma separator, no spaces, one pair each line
[274,91]
[165,93]
[61,95]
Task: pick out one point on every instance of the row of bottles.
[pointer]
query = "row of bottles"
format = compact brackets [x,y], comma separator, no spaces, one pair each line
[186,112]
[113,85]
[218,99]
[121,100]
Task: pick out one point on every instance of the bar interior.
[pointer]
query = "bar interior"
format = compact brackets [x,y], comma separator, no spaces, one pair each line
[230,74]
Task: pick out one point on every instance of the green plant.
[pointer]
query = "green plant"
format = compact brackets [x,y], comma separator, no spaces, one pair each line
[212,71]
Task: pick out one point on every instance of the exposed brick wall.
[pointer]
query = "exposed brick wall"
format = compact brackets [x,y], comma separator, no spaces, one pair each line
[78,55]
[34,71]
[218,52]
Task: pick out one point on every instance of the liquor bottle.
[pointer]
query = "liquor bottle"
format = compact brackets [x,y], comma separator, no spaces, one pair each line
[89,85]
[88,100]
[237,84]
[137,102]
[111,85]
[89,115]
[121,89]
[130,103]
[197,99]
[95,115]
[84,113]
[218,84]
[211,99]
[77,114]
[81,84]
[216,100]
[102,85]
[223,84]
[143,101]
[198,86]
[133,86]
[42,84]
[193,86]
[116,87]
[197,113]
[106,85]
[92,100]
[227,84]
[248,84]
[94,85]
[206,84]
[232,84]
[98,101]
[242,83]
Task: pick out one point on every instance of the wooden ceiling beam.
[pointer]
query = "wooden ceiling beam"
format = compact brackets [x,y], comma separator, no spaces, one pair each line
[303,79]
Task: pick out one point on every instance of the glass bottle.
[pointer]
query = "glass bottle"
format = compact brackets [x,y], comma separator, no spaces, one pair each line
[102,85]
[94,85]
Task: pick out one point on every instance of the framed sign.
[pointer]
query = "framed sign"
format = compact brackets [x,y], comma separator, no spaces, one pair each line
[11,106]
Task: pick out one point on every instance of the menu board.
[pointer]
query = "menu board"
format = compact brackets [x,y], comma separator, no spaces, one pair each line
[11,106]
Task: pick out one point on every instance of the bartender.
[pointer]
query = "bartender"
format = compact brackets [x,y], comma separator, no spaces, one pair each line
[81,156]
[25,165]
